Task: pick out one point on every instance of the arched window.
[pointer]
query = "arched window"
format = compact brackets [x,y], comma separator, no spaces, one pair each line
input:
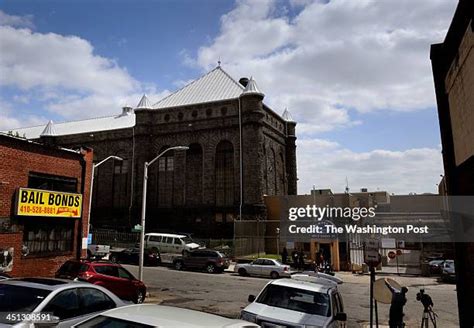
[270,167]
[224,174]
[120,187]
[165,180]
[194,175]
[281,174]
[265,169]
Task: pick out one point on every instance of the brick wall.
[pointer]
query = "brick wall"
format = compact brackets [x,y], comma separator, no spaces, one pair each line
[18,158]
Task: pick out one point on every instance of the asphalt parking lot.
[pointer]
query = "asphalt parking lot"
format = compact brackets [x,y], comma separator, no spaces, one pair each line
[226,294]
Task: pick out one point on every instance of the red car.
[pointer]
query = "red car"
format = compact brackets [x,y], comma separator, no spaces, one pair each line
[112,276]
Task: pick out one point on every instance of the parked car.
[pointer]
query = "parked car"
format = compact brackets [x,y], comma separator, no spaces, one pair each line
[68,302]
[169,243]
[132,256]
[302,301]
[112,276]
[448,273]
[151,315]
[263,267]
[436,266]
[211,261]
[97,251]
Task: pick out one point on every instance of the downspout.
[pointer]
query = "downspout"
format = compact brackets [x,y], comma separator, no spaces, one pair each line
[241,163]
[132,179]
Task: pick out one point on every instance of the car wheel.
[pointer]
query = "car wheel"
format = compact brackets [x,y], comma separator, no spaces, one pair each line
[210,268]
[178,265]
[242,272]
[140,297]
[274,275]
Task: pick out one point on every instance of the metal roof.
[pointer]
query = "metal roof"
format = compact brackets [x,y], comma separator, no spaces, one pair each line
[214,86]
[144,103]
[76,127]
[252,88]
[49,130]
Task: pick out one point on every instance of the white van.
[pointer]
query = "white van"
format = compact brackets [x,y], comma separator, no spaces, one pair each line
[169,243]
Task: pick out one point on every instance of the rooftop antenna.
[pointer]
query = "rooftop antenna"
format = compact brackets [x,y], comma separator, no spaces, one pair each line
[219,62]
[347,186]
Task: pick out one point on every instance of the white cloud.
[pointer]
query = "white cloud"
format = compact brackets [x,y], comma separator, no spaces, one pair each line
[16,21]
[333,57]
[327,164]
[65,76]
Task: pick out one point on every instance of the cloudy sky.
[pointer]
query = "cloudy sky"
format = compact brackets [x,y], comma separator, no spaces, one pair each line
[355,74]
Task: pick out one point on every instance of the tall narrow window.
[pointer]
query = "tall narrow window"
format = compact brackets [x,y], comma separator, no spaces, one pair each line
[165,178]
[194,175]
[275,173]
[224,174]
[120,182]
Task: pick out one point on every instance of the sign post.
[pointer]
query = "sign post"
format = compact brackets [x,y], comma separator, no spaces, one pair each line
[372,259]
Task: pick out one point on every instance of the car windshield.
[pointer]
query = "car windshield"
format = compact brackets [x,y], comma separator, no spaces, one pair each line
[296,299]
[106,322]
[20,298]
[187,240]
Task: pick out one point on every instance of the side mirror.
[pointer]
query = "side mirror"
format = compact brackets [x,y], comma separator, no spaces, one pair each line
[251,298]
[341,316]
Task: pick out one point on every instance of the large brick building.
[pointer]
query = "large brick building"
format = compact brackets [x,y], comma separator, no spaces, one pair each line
[36,241]
[239,151]
[453,72]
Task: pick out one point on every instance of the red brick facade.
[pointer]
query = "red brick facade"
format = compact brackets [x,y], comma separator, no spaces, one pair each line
[18,158]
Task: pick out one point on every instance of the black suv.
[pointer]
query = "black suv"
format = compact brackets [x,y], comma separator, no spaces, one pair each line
[208,260]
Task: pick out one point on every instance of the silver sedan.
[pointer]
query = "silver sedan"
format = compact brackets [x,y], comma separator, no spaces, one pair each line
[263,267]
[51,302]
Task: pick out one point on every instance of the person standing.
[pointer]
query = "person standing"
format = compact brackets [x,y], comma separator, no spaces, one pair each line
[294,257]
[284,255]
[399,300]
[301,260]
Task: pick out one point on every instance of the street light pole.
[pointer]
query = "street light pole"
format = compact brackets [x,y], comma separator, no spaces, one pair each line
[92,187]
[145,183]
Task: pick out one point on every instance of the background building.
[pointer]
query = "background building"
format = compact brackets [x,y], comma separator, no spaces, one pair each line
[346,251]
[36,243]
[453,72]
[239,150]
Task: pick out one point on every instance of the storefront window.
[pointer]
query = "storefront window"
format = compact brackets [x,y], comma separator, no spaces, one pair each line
[43,237]
[52,182]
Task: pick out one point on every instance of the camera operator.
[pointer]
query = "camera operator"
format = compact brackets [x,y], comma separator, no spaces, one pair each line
[425,299]
[396,308]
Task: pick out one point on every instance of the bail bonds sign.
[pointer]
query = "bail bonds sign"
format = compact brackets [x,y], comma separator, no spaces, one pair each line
[36,202]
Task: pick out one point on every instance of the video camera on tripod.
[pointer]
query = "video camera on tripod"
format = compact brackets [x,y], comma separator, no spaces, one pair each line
[428,313]
[425,299]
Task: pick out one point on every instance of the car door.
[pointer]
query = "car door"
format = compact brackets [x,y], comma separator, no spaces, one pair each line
[255,267]
[65,306]
[267,267]
[108,277]
[92,301]
[191,259]
[125,280]
[165,244]
[177,245]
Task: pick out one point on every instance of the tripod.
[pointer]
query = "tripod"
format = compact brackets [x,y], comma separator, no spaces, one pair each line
[428,315]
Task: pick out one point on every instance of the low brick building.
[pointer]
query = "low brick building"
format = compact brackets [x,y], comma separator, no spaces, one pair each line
[44,199]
